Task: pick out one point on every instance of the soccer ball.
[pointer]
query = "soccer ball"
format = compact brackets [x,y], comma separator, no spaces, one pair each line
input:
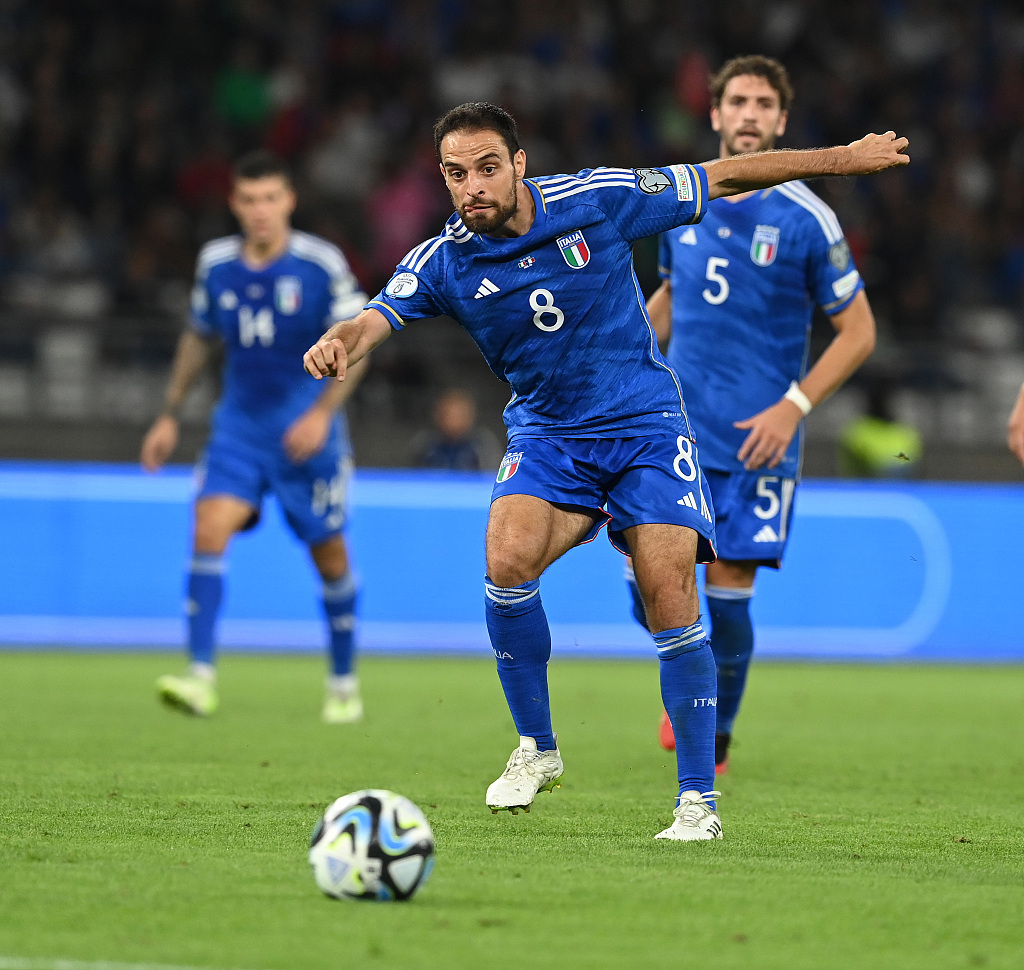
[372,844]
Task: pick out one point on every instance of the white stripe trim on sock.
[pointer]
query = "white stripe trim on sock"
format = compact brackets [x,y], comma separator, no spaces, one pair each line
[728,592]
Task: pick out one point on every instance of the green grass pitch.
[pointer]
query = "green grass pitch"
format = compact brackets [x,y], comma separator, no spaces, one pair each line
[874,817]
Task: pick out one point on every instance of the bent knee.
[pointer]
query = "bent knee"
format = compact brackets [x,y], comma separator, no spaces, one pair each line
[508,569]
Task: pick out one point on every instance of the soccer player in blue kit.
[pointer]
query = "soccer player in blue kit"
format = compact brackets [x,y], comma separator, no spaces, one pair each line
[264,295]
[539,272]
[737,298]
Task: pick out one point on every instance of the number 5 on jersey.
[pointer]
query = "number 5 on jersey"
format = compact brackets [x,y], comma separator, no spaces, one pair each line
[714,297]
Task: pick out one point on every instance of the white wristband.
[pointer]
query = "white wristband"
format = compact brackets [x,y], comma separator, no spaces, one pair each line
[800,399]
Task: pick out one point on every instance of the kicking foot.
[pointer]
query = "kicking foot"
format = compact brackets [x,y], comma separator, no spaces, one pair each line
[695,820]
[528,772]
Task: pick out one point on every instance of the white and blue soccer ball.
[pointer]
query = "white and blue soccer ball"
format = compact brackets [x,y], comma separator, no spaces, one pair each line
[372,844]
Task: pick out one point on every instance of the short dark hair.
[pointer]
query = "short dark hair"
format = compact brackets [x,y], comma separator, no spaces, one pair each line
[760,66]
[260,164]
[478,116]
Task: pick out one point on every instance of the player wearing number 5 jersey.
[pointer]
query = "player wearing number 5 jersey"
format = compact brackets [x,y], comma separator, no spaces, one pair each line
[737,298]
[263,296]
[539,272]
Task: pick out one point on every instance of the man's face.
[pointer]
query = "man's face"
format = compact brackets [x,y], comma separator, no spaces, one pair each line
[750,117]
[263,207]
[481,177]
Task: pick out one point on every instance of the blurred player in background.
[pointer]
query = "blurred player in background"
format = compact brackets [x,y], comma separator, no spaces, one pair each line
[738,294]
[264,295]
[539,272]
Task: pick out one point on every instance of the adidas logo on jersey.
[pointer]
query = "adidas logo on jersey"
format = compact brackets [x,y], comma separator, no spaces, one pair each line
[689,236]
[766,534]
[486,288]
[688,501]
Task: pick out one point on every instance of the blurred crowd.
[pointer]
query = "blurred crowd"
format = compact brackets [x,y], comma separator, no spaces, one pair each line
[119,120]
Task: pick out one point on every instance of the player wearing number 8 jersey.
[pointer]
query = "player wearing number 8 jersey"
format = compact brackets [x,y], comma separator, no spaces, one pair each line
[539,272]
[737,298]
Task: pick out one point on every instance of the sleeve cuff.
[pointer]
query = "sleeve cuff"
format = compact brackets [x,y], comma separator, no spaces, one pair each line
[393,318]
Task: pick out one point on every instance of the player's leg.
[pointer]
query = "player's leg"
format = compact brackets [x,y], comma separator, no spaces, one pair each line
[314,498]
[729,586]
[216,519]
[664,562]
[525,534]
[663,516]
[754,515]
[343,703]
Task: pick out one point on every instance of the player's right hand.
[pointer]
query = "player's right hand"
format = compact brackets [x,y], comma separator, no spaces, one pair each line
[159,443]
[876,153]
[326,358]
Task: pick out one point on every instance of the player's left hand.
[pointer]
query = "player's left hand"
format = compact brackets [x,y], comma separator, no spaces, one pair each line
[875,153]
[771,431]
[307,435]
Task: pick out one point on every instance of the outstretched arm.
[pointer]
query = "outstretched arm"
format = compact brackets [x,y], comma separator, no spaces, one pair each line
[759,170]
[772,430]
[346,343]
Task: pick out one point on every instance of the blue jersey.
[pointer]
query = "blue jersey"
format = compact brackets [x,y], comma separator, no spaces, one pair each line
[557,312]
[267,318]
[744,286]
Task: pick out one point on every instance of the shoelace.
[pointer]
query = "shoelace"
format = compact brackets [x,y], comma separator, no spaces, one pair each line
[521,761]
[693,810]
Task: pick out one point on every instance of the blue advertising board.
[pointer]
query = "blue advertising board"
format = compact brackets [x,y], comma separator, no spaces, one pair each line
[94,556]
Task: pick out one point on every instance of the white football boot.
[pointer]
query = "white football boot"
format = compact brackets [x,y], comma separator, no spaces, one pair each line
[695,820]
[528,772]
[343,703]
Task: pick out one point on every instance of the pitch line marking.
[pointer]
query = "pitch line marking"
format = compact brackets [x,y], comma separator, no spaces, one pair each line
[18,963]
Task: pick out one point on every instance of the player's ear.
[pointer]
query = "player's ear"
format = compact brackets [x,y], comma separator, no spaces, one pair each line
[519,163]
[716,118]
[780,128]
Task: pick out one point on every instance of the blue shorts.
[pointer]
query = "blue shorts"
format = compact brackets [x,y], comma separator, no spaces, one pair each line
[313,495]
[753,514]
[627,481]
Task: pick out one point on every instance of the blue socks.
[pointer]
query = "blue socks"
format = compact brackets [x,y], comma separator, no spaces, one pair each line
[732,640]
[205,592]
[689,694]
[521,640]
[339,600]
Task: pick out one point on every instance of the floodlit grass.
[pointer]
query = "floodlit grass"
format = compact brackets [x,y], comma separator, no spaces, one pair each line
[874,817]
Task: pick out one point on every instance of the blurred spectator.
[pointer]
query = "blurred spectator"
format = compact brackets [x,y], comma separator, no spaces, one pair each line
[242,95]
[876,445]
[118,122]
[454,442]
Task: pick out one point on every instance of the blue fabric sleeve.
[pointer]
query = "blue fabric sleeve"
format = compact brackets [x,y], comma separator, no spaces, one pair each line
[655,199]
[413,293]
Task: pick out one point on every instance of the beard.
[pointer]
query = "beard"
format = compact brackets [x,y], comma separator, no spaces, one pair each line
[765,143]
[493,218]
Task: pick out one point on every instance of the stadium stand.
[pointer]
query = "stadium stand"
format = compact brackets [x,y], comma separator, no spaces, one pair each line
[118,122]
